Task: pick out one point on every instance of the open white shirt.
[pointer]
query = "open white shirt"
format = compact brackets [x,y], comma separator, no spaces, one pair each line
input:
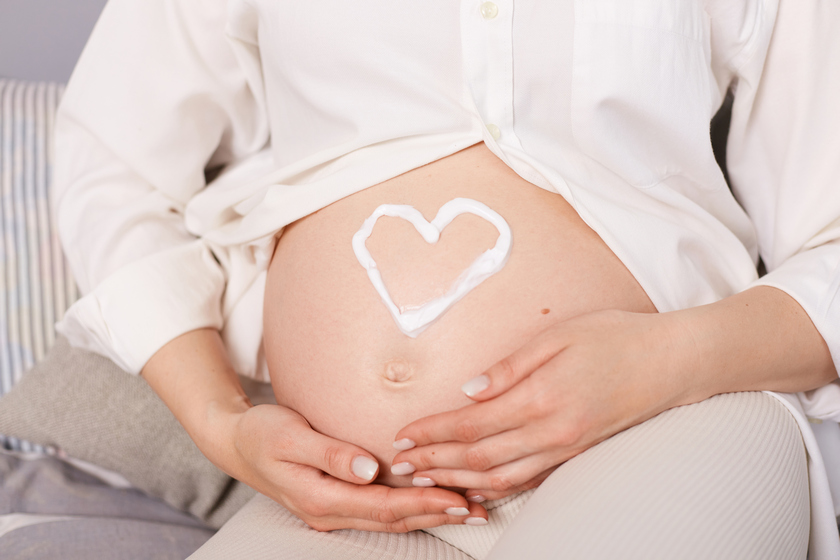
[606,102]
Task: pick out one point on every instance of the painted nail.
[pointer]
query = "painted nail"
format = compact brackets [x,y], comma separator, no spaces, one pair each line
[363,467]
[404,444]
[476,385]
[457,511]
[422,481]
[402,468]
[476,499]
[476,521]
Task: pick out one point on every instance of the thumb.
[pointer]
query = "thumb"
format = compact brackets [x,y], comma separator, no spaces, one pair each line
[509,371]
[337,458]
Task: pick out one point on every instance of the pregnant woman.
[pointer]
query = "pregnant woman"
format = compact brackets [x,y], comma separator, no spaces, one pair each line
[597,395]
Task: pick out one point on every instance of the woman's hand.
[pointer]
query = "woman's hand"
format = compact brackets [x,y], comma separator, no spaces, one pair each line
[325,482]
[574,385]
[586,379]
[273,449]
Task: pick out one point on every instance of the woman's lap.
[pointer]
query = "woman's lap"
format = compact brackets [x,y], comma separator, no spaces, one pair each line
[725,478]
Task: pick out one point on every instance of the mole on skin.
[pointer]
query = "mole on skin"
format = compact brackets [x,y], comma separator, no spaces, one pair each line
[398,371]
[545,311]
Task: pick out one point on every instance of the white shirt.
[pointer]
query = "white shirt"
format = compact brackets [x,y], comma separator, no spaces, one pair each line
[606,102]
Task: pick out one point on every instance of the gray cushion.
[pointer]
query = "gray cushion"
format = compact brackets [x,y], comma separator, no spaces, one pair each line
[51,509]
[83,404]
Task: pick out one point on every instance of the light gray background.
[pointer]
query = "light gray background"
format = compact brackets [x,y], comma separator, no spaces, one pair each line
[42,39]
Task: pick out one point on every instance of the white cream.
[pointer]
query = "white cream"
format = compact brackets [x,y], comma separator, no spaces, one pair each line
[414,321]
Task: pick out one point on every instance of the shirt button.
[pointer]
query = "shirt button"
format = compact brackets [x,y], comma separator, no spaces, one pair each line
[489,10]
[494,131]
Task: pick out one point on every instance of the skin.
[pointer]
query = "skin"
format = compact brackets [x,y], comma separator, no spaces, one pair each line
[328,340]
[581,381]
[588,378]
[272,448]
[572,385]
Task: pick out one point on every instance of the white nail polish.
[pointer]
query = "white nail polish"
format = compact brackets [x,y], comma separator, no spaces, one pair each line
[422,481]
[402,468]
[475,385]
[364,467]
[476,499]
[475,521]
[461,511]
[404,444]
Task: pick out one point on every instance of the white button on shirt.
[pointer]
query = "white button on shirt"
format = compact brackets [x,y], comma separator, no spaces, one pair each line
[489,10]
[606,102]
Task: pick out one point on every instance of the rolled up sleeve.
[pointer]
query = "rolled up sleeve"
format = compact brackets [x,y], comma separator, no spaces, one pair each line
[784,156]
[158,96]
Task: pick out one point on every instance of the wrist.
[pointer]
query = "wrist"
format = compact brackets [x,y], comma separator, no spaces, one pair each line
[683,358]
[756,340]
[214,430]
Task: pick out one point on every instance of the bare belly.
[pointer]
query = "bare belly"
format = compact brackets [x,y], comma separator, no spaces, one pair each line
[334,352]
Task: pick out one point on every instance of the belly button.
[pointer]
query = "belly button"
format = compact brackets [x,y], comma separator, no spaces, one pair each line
[398,371]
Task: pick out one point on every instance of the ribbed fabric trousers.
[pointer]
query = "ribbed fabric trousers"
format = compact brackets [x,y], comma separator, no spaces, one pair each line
[722,479]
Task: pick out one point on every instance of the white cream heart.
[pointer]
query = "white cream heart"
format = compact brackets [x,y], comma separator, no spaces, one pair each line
[412,322]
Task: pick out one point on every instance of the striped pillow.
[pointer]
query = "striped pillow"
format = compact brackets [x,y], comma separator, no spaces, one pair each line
[36,285]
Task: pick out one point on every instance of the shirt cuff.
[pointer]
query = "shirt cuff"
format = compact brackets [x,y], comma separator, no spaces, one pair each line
[139,308]
[812,278]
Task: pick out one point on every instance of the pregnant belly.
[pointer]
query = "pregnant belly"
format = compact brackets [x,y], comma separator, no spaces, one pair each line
[336,355]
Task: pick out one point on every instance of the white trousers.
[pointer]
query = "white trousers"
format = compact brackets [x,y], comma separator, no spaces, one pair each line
[722,479]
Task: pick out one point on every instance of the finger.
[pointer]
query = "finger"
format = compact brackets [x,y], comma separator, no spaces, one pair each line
[381,504]
[471,516]
[509,371]
[475,516]
[340,459]
[501,479]
[479,496]
[482,455]
[468,424]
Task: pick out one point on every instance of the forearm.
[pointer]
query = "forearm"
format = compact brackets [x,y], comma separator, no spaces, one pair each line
[194,378]
[756,340]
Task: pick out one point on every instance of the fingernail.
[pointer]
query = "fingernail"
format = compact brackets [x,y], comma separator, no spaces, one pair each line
[402,468]
[363,467]
[457,511]
[475,521]
[476,385]
[476,499]
[422,481]
[404,444]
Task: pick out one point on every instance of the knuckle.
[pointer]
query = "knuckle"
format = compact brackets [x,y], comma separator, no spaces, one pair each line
[569,435]
[384,512]
[500,482]
[506,371]
[316,510]
[466,430]
[315,507]
[421,462]
[399,526]
[542,405]
[477,459]
[420,434]
[333,458]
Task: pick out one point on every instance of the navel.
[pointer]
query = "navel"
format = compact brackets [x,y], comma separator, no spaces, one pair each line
[397,371]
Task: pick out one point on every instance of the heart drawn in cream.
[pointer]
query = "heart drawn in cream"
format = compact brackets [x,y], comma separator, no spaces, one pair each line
[412,322]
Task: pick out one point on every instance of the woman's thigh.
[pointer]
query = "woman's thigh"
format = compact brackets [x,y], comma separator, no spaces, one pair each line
[265,530]
[724,478]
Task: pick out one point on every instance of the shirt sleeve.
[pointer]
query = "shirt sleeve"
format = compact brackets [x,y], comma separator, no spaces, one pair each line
[158,96]
[783,154]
